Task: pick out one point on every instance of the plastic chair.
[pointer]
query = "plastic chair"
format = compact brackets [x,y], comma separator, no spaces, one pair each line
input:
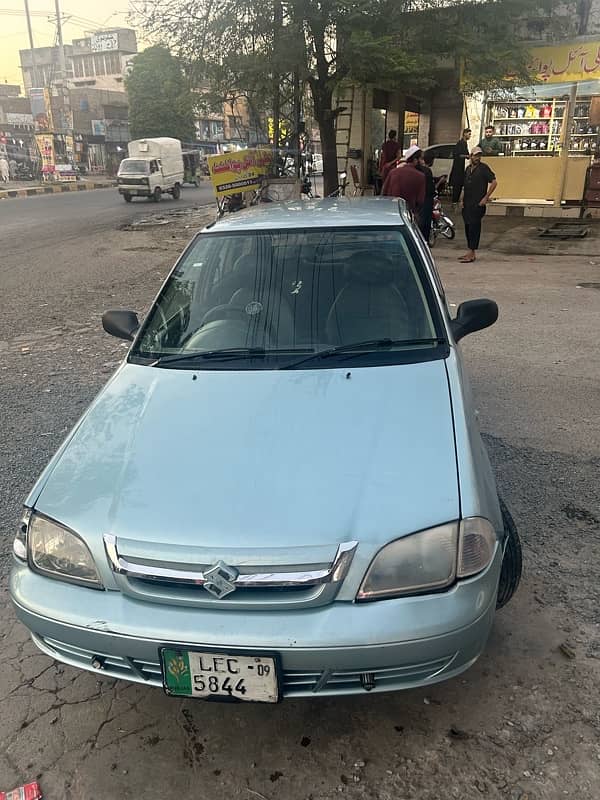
[359,188]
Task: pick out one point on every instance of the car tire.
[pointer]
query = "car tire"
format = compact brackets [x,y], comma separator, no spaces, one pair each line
[176,192]
[157,194]
[128,198]
[512,563]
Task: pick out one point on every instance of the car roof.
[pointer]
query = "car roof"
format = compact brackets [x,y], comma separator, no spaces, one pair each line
[332,212]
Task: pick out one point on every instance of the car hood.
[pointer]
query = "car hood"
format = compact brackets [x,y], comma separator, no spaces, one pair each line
[259,459]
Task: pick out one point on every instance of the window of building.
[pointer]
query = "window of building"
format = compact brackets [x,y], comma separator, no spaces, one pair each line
[88,65]
[78,67]
[113,63]
[99,64]
[217,127]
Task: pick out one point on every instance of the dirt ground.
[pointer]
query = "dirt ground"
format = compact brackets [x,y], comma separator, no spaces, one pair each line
[523,723]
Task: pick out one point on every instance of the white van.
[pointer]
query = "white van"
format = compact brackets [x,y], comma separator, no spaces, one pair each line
[154,167]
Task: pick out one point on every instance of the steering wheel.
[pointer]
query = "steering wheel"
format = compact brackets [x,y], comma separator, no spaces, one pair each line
[225,311]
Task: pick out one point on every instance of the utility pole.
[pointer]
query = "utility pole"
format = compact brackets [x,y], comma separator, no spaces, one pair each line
[34,76]
[297,102]
[64,88]
[61,46]
[277,26]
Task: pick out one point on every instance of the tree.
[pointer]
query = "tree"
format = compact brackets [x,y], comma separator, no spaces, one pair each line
[243,45]
[160,100]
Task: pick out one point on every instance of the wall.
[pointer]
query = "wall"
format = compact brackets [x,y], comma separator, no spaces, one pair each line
[446,116]
[528,179]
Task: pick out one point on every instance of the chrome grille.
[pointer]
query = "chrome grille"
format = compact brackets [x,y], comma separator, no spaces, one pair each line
[245,585]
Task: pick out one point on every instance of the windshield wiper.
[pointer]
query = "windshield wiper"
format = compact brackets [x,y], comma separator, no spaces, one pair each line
[368,344]
[224,354]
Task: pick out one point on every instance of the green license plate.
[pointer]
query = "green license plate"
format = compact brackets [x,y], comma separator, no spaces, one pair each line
[226,676]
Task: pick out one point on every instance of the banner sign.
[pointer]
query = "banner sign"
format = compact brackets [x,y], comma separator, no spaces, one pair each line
[241,171]
[567,63]
[19,119]
[102,42]
[45,143]
[41,110]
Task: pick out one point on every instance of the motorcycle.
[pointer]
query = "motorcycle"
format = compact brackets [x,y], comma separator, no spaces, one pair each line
[441,224]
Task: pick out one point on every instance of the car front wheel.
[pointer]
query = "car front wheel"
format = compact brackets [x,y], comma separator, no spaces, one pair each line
[512,563]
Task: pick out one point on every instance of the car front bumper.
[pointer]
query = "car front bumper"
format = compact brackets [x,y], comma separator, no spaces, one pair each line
[343,648]
[135,191]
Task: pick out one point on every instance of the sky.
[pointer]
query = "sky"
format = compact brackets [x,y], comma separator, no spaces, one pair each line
[88,15]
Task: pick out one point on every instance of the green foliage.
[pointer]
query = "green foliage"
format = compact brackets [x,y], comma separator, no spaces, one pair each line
[244,46]
[160,101]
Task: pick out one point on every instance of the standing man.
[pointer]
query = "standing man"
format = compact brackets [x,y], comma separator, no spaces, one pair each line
[457,174]
[390,150]
[490,144]
[406,181]
[480,183]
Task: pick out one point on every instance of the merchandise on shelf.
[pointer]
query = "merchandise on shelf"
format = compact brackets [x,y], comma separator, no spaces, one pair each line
[533,127]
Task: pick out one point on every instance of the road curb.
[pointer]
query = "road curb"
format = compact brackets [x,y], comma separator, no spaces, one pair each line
[15,194]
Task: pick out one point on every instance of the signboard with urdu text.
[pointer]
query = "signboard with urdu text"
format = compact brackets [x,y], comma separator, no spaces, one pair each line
[567,63]
[102,42]
[240,171]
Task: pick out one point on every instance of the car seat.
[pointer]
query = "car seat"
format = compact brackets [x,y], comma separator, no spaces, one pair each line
[370,305]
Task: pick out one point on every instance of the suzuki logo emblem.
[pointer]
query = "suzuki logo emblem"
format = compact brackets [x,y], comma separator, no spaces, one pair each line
[219,580]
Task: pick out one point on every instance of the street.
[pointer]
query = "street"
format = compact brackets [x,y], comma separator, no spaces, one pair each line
[523,722]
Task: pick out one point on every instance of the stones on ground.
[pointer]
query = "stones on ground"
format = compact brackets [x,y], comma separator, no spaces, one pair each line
[567,650]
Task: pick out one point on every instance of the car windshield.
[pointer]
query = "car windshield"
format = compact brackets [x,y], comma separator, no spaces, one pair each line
[133,166]
[286,294]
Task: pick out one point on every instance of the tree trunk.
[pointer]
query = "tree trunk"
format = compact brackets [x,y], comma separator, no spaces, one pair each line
[323,101]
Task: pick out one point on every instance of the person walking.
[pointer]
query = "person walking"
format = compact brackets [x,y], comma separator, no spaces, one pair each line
[390,151]
[4,170]
[480,183]
[460,157]
[407,182]
[490,144]
[426,212]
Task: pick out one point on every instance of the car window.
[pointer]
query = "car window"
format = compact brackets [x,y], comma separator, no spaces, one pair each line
[131,166]
[441,151]
[307,290]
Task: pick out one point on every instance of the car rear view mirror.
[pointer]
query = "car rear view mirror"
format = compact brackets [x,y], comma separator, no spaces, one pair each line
[119,323]
[473,315]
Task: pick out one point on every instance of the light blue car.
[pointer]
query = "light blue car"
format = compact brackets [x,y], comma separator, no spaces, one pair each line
[282,492]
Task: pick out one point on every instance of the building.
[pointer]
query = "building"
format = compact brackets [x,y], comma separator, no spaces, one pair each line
[79,115]
[100,61]
[228,125]
[17,140]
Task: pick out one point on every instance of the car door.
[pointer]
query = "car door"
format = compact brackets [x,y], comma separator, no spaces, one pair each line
[443,155]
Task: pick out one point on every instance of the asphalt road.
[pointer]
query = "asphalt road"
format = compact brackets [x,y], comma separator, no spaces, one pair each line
[522,722]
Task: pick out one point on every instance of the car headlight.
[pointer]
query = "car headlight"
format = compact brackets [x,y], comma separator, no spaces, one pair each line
[430,560]
[59,553]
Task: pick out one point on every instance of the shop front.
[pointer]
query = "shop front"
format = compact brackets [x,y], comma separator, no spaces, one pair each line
[548,132]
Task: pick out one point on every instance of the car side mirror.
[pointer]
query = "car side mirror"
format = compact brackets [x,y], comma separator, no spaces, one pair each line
[473,315]
[122,324]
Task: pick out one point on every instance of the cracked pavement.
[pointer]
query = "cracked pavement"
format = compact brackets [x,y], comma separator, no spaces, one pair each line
[523,722]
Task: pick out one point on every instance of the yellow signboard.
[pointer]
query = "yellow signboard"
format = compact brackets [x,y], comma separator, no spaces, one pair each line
[567,63]
[45,143]
[241,171]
